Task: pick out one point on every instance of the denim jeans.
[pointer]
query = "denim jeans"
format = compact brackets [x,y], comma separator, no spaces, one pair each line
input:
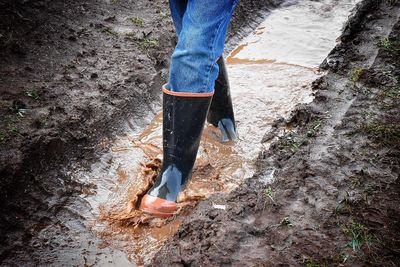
[201,26]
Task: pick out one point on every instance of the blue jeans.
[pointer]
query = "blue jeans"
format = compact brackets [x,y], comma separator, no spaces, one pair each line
[201,26]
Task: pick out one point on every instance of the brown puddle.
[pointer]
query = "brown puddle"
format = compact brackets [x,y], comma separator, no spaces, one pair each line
[269,74]
[232,59]
[245,61]
[214,172]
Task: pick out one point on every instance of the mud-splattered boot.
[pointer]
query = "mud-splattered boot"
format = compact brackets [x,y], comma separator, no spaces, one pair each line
[184,115]
[221,110]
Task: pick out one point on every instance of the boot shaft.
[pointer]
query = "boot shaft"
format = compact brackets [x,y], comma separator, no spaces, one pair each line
[183,123]
[221,113]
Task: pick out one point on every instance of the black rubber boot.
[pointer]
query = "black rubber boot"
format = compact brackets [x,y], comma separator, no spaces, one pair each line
[221,110]
[184,115]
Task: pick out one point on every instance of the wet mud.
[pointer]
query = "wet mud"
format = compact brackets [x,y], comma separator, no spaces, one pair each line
[304,175]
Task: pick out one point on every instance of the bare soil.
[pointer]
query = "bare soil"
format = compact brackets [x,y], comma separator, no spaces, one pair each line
[335,197]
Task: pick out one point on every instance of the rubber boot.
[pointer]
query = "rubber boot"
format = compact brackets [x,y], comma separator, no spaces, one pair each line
[184,115]
[221,110]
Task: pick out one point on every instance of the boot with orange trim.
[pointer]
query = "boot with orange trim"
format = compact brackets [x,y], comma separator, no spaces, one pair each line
[221,110]
[184,115]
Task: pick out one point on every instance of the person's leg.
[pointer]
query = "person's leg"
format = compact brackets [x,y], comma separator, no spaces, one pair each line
[187,98]
[201,42]
[221,113]
[178,9]
[183,122]
[221,110]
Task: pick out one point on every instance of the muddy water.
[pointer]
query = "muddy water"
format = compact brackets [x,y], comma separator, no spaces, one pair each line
[270,73]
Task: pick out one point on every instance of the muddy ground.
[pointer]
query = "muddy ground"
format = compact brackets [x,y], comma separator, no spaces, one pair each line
[335,197]
[70,73]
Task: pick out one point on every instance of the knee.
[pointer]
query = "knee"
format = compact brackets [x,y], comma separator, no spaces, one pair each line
[196,41]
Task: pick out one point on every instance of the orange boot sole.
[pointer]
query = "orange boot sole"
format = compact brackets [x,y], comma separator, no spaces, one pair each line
[157,206]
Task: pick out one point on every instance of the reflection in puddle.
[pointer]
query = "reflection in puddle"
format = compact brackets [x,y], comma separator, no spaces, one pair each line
[301,34]
[270,73]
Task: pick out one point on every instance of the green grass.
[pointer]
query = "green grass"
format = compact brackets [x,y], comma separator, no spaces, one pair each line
[136,21]
[145,41]
[386,133]
[312,132]
[109,31]
[385,43]
[359,234]
[288,144]
[165,14]
[18,108]
[310,262]
[370,190]
[269,193]
[389,45]
[343,257]
[344,207]
[10,127]
[356,74]
[286,222]
[392,92]
[21,113]
[11,120]
[33,94]
[295,147]
[14,130]
[374,159]
[356,181]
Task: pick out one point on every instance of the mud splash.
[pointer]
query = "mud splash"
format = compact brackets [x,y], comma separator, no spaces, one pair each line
[270,73]
[219,168]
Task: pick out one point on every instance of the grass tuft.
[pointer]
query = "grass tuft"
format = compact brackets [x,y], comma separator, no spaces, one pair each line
[33,94]
[288,144]
[312,132]
[310,262]
[389,45]
[392,92]
[269,193]
[385,133]
[137,21]
[286,222]
[356,74]
[344,207]
[110,31]
[360,235]
[145,41]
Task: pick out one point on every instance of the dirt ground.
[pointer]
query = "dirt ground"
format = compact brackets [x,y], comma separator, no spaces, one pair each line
[70,73]
[335,196]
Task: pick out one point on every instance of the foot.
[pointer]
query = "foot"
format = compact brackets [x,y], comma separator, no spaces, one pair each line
[221,111]
[227,128]
[158,207]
